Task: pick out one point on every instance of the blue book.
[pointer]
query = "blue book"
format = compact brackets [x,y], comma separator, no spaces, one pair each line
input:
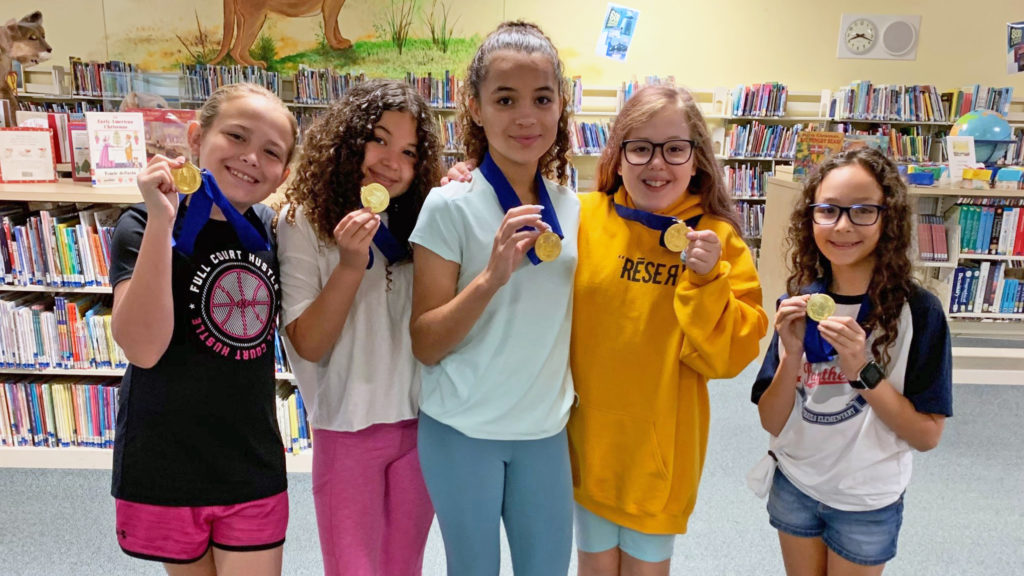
[35,416]
[984,230]
[1009,292]
[958,285]
[102,438]
[300,411]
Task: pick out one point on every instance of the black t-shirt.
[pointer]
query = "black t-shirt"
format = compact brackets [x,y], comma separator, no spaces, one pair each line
[199,428]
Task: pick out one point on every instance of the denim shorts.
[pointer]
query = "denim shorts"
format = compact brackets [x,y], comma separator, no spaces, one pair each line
[595,534]
[867,538]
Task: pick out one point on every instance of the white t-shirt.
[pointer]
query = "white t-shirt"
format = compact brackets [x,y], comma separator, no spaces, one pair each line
[370,375]
[834,447]
[509,378]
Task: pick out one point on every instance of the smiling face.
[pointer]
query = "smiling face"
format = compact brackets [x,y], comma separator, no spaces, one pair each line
[846,245]
[518,108]
[390,156]
[245,148]
[657,185]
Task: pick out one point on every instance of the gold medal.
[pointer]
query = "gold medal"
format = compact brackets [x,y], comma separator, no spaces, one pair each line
[675,237]
[820,306]
[548,246]
[187,179]
[375,197]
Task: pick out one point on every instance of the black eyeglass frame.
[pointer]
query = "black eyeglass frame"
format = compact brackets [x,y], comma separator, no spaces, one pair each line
[849,215]
[654,149]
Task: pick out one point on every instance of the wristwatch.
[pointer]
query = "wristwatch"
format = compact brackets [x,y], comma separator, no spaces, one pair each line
[870,375]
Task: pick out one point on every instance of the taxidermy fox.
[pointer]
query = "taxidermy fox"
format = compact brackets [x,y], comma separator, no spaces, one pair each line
[25,41]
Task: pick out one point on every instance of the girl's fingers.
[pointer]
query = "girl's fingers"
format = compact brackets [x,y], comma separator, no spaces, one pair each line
[354,221]
[513,225]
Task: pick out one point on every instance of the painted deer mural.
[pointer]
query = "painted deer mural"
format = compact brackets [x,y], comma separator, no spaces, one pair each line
[243,20]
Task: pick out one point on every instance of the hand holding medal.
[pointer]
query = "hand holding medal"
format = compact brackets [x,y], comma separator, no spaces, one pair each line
[187,178]
[820,307]
[159,187]
[699,249]
[375,197]
[520,230]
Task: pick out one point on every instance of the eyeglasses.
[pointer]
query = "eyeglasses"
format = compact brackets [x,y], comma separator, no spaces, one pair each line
[675,152]
[859,214]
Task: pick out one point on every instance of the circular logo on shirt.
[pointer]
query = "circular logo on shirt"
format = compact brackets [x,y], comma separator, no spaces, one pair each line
[826,395]
[233,304]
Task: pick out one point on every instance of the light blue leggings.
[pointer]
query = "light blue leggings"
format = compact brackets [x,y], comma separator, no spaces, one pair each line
[476,483]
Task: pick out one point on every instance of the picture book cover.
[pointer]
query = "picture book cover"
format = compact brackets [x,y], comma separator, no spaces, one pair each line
[813,148]
[78,136]
[27,155]
[117,147]
[166,130]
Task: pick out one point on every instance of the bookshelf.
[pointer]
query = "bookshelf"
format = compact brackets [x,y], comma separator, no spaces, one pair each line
[996,364]
[61,388]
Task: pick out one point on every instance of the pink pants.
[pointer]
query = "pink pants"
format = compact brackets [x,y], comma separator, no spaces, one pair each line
[372,507]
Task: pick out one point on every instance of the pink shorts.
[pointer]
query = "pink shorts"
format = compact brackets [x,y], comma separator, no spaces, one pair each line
[183,534]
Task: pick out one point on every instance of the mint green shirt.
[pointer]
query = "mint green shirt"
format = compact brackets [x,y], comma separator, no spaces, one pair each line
[509,378]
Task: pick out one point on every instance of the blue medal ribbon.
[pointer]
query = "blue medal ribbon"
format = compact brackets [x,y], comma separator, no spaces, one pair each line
[656,222]
[198,213]
[508,199]
[388,245]
[816,347]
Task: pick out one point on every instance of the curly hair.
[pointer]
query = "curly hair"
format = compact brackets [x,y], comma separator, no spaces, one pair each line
[715,199]
[891,280]
[329,173]
[525,38]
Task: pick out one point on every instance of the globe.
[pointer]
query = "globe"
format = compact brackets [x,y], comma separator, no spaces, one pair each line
[991,133]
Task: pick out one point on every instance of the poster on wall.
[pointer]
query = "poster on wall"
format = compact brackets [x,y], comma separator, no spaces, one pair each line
[617,32]
[1015,47]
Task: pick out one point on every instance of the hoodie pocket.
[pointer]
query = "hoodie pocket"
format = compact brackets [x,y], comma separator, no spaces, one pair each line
[618,461]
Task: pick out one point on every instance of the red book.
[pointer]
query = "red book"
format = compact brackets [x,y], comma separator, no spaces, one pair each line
[1018,241]
[940,249]
[924,239]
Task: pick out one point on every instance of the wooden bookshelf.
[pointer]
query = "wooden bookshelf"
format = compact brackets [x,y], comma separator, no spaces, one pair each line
[58,289]
[69,191]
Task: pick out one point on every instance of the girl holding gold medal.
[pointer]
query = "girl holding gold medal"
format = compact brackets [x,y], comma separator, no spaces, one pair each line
[492,305]
[346,273]
[666,296]
[858,374]
[199,473]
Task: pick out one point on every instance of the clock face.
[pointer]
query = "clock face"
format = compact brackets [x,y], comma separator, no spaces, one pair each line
[860,35]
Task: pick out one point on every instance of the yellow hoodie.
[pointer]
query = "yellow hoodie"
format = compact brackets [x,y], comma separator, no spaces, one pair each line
[647,334]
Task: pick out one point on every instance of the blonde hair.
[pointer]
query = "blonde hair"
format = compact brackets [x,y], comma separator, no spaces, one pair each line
[212,107]
[707,182]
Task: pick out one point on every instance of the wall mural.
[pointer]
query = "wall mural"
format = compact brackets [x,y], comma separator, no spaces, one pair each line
[385,37]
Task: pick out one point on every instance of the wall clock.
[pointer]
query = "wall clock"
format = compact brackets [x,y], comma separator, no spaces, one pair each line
[878,36]
[860,35]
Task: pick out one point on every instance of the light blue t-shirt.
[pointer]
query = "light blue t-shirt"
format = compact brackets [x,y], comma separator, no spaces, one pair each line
[509,378]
